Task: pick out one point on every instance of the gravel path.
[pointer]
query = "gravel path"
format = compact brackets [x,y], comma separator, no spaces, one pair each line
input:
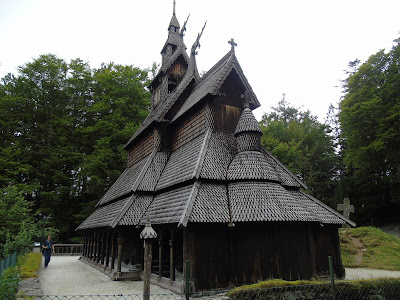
[66,275]
[352,274]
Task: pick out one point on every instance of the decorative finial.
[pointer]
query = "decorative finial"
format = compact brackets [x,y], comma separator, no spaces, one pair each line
[197,42]
[184,27]
[148,232]
[233,44]
[174,8]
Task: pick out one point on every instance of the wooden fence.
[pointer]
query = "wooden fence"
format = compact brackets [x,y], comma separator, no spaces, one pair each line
[9,261]
[68,249]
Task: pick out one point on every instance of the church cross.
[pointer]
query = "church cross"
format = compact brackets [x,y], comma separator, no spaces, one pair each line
[233,44]
[246,99]
[346,208]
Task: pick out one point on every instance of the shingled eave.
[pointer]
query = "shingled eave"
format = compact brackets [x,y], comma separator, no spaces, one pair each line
[330,209]
[106,215]
[297,179]
[110,195]
[123,211]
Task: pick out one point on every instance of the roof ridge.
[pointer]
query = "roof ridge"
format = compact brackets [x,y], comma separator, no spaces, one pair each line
[202,154]
[144,170]
[284,167]
[123,211]
[184,219]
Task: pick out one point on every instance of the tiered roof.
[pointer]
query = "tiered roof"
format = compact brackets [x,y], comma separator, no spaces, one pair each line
[217,177]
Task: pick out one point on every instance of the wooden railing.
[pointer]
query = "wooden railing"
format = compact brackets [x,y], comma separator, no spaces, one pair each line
[68,249]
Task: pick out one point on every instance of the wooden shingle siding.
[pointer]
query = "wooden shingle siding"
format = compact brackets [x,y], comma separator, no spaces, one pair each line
[153,173]
[142,149]
[265,201]
[211,204]
[219,154]
[181,164]
[123,185]
[105,215]
[136,210]
[251,165]
[324,215]
[189,130]
[168,207]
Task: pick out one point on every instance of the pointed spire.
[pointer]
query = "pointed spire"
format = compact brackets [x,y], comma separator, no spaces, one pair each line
[174,24]
[247,123]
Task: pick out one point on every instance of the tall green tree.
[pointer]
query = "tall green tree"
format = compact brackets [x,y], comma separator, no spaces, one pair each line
[305,145]
[370,125]
[63,127]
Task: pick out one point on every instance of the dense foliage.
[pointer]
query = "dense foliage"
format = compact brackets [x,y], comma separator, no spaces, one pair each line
[63,127]
[16,222]
[9,283]
[304,145]
[370,125]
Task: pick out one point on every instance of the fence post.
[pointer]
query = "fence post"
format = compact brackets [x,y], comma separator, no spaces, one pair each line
[187,270]
[332,277]
[2,265]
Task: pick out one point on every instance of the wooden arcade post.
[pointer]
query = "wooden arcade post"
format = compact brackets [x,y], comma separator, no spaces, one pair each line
[147,234]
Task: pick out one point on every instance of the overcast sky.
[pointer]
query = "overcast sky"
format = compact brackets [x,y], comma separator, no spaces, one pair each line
[299,48]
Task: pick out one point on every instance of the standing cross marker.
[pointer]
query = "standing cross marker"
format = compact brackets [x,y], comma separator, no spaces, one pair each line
[233,44]
[346,208]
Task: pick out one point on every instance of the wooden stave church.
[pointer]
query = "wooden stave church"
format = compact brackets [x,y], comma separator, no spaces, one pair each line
[215,196]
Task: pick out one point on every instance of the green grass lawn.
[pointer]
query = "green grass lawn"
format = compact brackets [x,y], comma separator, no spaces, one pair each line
[382,249]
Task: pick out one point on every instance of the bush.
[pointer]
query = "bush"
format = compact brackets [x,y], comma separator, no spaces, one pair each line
[29,265]
[9,283]
[387,288]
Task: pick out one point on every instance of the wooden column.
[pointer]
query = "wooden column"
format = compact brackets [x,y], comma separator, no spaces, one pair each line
[160,270]
[102,245]
[84,244]
[171,262]
[112,251]
[94,245]
[147,269]
[120,243]
[147,234]
[107,249]
[98,247]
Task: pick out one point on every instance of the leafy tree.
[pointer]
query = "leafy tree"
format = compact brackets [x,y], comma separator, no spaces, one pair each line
[370,124]
[63,127]
[304,145]
[16,222]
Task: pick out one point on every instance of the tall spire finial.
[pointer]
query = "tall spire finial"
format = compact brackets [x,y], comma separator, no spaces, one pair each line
[174,8]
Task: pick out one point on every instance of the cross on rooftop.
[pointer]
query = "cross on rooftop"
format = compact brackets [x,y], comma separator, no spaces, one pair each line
[246,99]
[346,207]
[233,44]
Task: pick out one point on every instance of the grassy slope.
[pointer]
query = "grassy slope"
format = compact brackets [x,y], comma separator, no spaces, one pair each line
[29,265]
[382,249]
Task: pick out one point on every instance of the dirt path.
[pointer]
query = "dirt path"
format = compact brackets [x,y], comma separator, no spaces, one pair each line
[358,258]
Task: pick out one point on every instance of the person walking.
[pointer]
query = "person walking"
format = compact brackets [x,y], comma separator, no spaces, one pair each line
[48,247]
